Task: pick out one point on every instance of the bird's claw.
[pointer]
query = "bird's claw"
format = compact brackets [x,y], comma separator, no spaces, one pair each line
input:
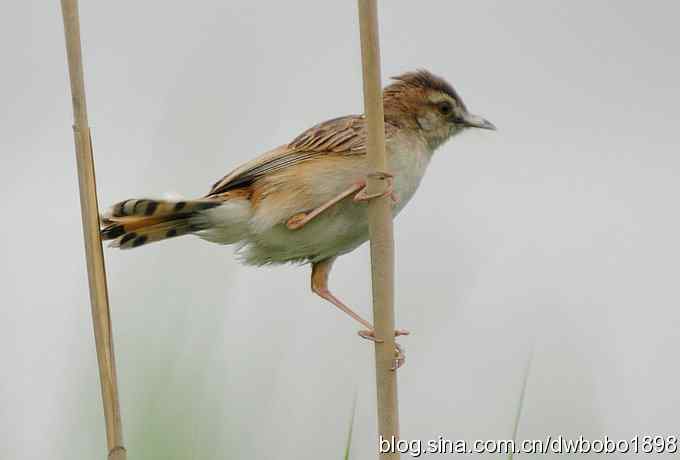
[369,334]
[399,352]
[362,195]
[399,357]
[382,175]
[297,221]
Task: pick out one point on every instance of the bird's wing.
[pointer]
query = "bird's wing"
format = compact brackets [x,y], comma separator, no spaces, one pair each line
[340,136]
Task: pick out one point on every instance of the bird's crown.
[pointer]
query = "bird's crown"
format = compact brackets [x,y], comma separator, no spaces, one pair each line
[422,81]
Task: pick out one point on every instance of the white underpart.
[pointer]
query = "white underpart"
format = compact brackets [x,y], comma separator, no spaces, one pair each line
[263,238]
[228,223]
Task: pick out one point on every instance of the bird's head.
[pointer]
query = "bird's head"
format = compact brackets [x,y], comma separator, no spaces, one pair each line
[428,104]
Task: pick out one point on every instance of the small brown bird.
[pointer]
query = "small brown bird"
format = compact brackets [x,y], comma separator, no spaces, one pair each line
[305,201]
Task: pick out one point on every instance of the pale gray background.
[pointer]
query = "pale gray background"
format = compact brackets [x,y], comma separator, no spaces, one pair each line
[560,229]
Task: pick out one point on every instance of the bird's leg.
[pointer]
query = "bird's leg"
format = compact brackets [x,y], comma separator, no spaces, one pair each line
[320,272]
[362,195]
[358,190]
[299,220]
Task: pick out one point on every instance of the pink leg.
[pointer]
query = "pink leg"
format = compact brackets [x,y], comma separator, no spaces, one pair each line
[363,196]
[358,190]
[320,272]
[299,220]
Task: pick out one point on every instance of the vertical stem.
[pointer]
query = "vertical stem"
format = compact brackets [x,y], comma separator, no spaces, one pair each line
[381,232]
[93,246]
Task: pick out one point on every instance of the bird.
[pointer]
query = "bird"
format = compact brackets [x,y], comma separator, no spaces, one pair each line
[306,201]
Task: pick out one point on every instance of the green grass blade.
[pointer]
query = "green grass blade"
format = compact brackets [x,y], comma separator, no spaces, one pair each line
[348,445]
[522,395]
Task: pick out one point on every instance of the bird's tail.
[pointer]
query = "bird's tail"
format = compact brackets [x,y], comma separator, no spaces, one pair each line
[135,222]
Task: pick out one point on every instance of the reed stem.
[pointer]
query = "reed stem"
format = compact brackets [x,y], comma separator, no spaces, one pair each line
[380,227]
[96,272]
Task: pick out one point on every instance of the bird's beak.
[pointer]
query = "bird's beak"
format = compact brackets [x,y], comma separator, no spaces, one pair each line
[475,121]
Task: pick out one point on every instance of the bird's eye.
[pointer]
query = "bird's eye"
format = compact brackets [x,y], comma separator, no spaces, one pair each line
[445,108]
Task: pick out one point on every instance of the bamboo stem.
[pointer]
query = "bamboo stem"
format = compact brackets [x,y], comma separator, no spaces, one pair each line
[93,246]
[381,232]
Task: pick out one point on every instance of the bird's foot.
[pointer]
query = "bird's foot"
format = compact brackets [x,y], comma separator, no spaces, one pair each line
[399,352]
[297,221]
[362,195]
[399,357]
[369,334]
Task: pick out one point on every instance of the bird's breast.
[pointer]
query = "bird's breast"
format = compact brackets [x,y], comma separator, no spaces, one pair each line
[408,159]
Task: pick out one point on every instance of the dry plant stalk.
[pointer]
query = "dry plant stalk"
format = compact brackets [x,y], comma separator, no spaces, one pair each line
[93,246]
[381,231]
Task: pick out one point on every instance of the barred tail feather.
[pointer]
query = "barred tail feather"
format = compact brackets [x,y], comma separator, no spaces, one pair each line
[157,232]
[137,222]
[145,207]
